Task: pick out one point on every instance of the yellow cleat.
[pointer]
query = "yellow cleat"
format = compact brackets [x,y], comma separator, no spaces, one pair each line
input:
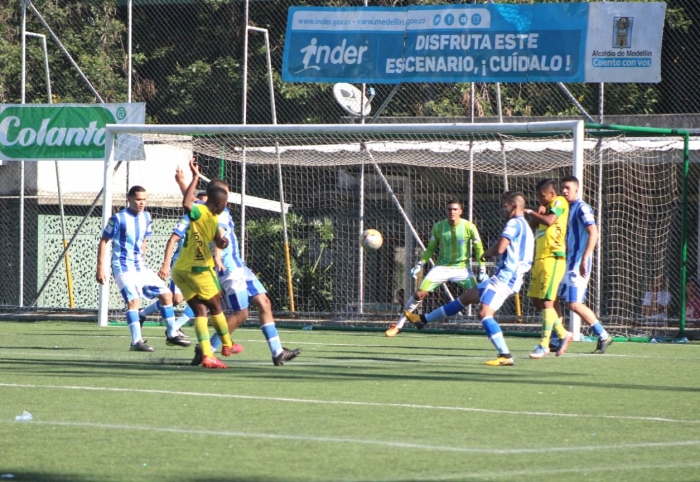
[392,331]
[500,361]
[412,317]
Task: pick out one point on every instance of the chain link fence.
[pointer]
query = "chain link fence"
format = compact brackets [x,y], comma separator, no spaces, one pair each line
[189,67]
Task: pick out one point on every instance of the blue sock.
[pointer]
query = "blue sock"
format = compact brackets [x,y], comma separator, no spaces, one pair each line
[215,341]
[132,321]
[168,314]
[150,309]
[600,331]
[451,308]
[493,331]
[273,338]
[188,311]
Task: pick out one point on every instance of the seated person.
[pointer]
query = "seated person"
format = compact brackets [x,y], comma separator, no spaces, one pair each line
[657,301]
[692,300]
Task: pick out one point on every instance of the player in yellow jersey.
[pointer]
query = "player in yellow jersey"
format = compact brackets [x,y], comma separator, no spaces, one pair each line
[194,272]
[549,263]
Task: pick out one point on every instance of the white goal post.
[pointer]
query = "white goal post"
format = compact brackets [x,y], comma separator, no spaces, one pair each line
[324,136]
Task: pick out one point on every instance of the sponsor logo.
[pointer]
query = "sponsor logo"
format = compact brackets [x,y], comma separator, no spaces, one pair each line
[54,132]
[315,56]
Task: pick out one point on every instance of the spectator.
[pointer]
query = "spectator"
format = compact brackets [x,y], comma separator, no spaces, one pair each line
[657,301]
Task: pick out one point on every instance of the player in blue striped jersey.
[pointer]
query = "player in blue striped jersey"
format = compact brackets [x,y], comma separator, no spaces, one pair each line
[127,230]
[515,249]
[581,239]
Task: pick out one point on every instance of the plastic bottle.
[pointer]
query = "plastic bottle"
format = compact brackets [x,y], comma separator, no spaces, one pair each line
[25,417]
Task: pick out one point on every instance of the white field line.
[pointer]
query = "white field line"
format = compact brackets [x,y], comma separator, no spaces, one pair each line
[383,443]
[348,403]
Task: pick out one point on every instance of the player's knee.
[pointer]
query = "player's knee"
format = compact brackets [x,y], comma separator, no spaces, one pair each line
[262,303]
[575,307]
[166,298]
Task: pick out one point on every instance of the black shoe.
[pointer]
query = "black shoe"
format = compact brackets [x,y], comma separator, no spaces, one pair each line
[285,356]
[198,356]
[176,340]
[141,346]
[182,334]
[603,345]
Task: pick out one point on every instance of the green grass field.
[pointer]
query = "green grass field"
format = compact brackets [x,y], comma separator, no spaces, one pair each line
[355,406]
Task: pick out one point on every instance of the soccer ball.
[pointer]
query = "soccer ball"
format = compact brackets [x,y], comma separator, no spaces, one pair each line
[371,240]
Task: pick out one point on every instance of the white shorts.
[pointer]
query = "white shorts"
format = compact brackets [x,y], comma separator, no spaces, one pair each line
[442,274]
[240,285]
[573,287]
[494,292]
[140,284]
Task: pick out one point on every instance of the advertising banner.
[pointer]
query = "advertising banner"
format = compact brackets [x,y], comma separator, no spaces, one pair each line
[555,42]
[33,132]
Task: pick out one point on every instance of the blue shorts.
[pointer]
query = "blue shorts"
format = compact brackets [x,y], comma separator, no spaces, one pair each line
[573,287]
[494,292]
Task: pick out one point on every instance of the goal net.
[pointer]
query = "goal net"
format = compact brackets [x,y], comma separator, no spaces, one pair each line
[301,196]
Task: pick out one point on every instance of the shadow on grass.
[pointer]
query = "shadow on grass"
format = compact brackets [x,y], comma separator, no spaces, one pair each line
[52,477]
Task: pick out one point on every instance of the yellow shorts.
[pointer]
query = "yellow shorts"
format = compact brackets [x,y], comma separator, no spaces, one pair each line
[546,275]
[202,284]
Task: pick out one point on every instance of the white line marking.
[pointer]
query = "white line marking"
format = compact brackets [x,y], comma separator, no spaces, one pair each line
[350,403]
[385,443]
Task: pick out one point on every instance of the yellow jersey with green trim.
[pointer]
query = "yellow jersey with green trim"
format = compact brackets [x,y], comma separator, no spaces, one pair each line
[550,241]
[195,254]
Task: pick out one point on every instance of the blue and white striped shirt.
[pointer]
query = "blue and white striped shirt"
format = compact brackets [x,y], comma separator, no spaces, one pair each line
[517,259]
[128,231]
[580,217]
[231,256]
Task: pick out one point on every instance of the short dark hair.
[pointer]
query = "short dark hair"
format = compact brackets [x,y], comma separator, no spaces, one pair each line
[200,194]
[216,194]
[216,184]
[454,201]
[573,179]
[516,198]
[134,189]
[546,184]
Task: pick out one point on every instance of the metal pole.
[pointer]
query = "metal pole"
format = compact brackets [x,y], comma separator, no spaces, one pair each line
[21,165]
[287,256]
[246,20]
[599,207]
[62,48]
[129,74]
[69,278]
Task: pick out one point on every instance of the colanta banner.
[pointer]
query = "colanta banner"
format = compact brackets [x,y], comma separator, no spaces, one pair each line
[34,132]
[553,42]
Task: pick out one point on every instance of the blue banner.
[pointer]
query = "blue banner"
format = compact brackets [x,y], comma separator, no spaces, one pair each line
[465,43]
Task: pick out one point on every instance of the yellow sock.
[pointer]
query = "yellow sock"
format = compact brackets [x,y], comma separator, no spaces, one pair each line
[559,328]
[202,331]
[549,318]
[219,324]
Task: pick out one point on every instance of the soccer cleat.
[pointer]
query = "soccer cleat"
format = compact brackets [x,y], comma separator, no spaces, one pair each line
[141,346]
[501,361]
[564,344]
[176,340]
[198,356]
[417,320]
[213,362]
[603,345]
[392,331]
[285,356]
[539,352]
[234,349]
[181,333]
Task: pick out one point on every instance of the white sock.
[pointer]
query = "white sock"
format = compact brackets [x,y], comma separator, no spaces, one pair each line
[410,306]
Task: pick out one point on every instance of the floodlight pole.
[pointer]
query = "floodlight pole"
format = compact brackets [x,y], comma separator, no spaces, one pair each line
[244,115]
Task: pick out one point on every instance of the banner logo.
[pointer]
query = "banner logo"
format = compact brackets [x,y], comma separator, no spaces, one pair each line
[622,32]
[60,131]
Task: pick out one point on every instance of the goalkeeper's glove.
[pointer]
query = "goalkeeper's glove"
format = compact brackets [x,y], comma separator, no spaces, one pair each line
[483,275]
[416,269]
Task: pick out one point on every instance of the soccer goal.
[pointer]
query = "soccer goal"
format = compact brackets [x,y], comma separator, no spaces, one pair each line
[334,181]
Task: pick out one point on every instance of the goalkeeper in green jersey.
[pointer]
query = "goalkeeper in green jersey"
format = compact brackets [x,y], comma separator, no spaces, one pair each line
[454,238]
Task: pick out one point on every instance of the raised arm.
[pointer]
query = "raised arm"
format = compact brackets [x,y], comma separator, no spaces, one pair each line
[188,197]
[496,248]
